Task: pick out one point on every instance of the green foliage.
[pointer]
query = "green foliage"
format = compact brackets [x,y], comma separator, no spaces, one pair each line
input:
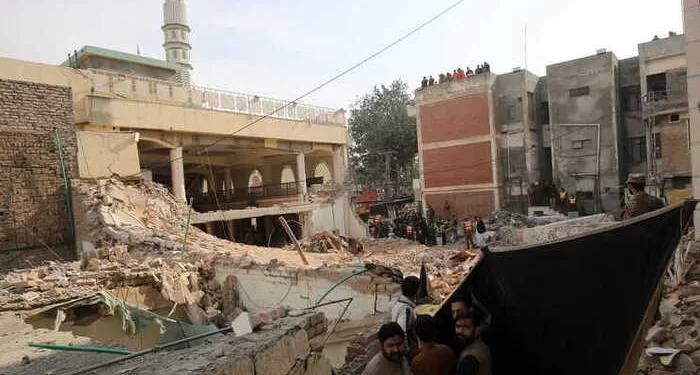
[379,124]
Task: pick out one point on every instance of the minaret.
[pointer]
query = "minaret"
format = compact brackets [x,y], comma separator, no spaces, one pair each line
[177,37]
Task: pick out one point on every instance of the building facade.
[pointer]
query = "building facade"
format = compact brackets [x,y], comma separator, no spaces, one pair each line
[457,143]
[664,99]
[691,13]
[583,127]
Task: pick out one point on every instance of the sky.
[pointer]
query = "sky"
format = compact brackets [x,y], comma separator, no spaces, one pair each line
[283,49]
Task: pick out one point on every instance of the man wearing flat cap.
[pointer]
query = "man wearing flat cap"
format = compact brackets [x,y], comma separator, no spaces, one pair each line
[640,202]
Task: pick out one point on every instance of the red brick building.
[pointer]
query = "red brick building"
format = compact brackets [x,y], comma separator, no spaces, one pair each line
[457,146]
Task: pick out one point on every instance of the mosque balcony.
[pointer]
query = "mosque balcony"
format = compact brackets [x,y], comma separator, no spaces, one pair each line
[142,88]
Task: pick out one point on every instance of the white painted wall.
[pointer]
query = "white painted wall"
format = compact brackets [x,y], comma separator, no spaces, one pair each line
[338,216]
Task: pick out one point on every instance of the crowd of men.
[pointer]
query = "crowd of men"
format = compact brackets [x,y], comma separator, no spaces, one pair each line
[456,74]
[409,342]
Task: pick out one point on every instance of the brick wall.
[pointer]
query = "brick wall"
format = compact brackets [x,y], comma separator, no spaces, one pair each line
[455,118]
[675,152]
[32,203]
[458,165]
[462,203]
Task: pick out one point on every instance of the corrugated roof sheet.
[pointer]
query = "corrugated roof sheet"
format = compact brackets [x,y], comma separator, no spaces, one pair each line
[116,55]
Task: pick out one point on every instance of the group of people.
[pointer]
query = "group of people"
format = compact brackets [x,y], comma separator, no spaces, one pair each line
[640,202]
[456,74]
[409,342]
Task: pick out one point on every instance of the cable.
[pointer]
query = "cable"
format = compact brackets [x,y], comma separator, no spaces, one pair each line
[330,80]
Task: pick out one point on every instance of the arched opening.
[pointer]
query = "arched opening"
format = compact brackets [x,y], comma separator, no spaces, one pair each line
[255,181]
[287,175]
[322,170]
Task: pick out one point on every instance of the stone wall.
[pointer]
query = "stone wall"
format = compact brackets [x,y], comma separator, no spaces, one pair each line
[32,201]
[280,349]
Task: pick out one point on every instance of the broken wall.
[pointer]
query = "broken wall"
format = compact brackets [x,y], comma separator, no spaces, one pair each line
[338,216]
[33,204]
[103,154]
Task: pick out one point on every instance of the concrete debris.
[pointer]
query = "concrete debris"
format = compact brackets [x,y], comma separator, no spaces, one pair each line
[512,229]
[446,265]
[674,340]
[327,242]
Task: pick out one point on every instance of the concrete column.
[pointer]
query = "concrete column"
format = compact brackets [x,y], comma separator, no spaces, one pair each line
[177,172]
[339,165]
[228,182]
[301,173]
[231,230]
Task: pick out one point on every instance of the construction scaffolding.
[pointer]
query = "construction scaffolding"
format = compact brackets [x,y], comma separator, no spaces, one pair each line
[654,105]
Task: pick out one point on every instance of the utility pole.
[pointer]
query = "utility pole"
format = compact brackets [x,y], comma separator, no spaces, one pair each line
[387,174]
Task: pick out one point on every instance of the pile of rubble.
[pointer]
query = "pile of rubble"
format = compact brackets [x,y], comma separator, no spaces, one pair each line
[512,229]
[446,266]
[105,269]
[673,342]
[327,242]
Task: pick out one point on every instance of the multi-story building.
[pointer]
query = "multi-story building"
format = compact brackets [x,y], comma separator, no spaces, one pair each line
[584,129]
[457,146]
[664,99]
[691,18]
[477,143]
[243,160]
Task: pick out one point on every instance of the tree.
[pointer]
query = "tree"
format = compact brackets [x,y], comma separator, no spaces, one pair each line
[380,126]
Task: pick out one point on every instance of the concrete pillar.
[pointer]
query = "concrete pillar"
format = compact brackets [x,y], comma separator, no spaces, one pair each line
[339,165]
[301,173]
[177,172]
[231,230]
[228,182]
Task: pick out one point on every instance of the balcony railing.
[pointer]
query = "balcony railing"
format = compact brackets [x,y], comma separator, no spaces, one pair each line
[143,88]
[658,102]
[246,194]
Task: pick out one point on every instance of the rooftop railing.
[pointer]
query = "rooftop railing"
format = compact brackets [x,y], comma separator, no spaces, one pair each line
[144,88]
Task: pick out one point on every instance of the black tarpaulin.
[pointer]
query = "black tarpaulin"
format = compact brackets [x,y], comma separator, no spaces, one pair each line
[574,306]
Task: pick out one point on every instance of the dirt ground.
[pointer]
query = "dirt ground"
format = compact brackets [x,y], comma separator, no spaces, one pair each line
[16,335]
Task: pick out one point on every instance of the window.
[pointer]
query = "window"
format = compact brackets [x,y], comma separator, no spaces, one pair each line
[173,34]
[675,117]
[637,150]
[133,85]
[510,116]
[656,83]
[579,91]
[152,88]
[580,144]
[184,54]
[544,112]
[170,91]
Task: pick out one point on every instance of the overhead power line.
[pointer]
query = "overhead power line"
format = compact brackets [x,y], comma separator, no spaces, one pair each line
[332,79]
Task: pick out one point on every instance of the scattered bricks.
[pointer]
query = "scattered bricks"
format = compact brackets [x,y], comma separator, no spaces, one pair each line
[695,356]
[661,372]
[85,282]
[656,334]
[692,299]
[685,363]
[269,316]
